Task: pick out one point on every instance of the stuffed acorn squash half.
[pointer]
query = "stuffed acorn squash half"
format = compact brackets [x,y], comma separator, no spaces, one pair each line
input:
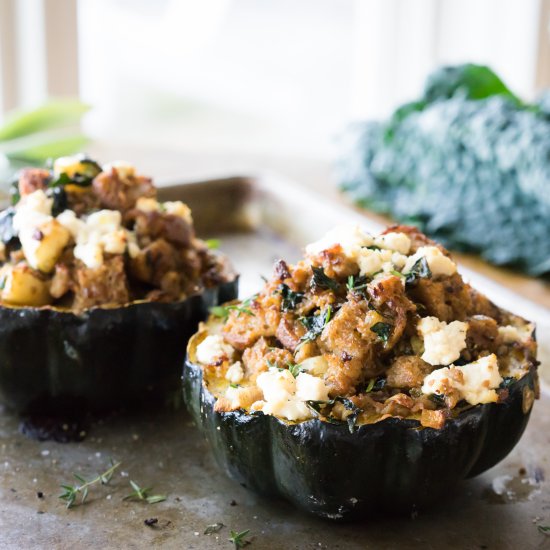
[101,286]
[367,378]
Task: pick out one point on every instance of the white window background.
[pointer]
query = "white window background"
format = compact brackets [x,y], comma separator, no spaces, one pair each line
[269,76]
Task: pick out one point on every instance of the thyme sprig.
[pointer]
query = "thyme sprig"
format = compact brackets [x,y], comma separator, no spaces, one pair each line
[73,491]
[139,493]
[355,284]
[238,539]
[224,311]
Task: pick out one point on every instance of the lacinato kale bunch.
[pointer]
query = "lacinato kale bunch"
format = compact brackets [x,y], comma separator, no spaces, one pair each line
[469,163]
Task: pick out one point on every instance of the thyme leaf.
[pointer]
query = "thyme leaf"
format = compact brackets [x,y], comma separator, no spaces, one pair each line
[140,493]
[295,370]
[357,284]
[238,539]
[223,311]
[73,491]
[321,280]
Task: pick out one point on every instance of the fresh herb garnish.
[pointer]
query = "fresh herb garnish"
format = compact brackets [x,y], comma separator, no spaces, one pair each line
[271,364]
[72,491]
[238,538]
[295,370]
[321,280]
[382,330]
[315,324]
[234,386]
[223,311]
[544,529]
[214,528]
[356,284]
[420,270]
[290,299]
[398,274]
[213,244]
[143,494]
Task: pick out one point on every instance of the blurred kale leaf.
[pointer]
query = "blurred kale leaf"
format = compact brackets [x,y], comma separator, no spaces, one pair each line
[468,162]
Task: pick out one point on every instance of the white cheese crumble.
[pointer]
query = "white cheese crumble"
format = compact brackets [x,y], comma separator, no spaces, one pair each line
[98,233]
[124,169]
[442,342]
[394,241]
[350,237]
[476,382]
[510,333]
[284,395]
[212,349]
[174,208]
[439,264]
[32,210]
[371,261]
[32,213]
[235,373]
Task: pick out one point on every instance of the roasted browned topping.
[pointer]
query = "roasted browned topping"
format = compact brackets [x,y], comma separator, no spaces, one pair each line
[80,236]
[371,327]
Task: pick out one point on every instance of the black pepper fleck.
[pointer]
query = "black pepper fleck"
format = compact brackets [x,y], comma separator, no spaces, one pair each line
[150,521]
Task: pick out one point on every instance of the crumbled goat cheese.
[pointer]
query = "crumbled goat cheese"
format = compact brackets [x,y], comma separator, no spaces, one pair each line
[124,169]
[394,241]
[146,204]
[476,382]
[439,264]
[235,373]
[32,213]
[284,395]
[510,334]
[310,388]
[350,237]
[98,233]
[371,262]
[173,208]
[212,349]
[442,342]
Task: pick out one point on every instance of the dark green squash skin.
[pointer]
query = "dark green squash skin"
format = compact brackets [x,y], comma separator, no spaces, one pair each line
[390,467]
[54,361]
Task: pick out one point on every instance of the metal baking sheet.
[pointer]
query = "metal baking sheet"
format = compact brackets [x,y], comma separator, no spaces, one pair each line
[258,221]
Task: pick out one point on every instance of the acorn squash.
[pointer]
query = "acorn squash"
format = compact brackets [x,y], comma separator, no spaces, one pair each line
[342,392]
[101,286]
